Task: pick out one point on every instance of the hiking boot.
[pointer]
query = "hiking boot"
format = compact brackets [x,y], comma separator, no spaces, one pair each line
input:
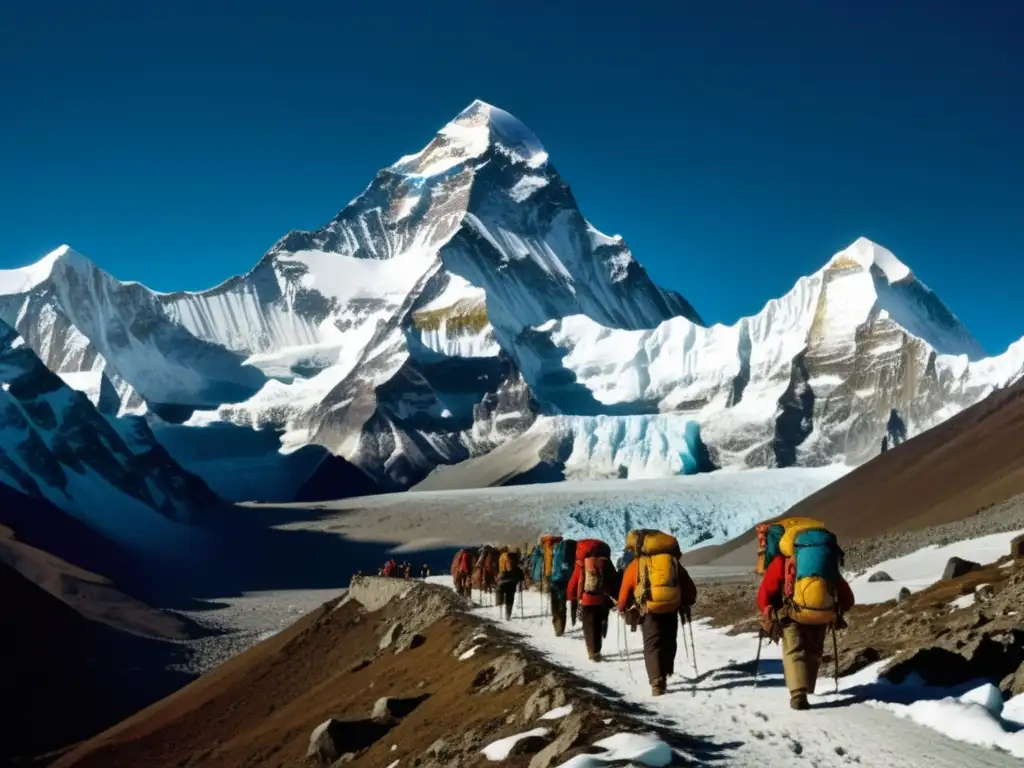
[593,656]
[799,701]
[658,687]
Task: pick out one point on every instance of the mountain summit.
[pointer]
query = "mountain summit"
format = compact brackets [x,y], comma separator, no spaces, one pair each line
[462,304]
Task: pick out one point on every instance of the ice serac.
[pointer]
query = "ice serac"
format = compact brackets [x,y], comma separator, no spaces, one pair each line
[110,473]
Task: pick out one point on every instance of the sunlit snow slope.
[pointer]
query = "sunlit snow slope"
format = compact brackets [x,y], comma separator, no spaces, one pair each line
[462,297]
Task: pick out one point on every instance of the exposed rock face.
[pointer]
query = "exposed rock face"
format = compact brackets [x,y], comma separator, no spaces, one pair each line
[110,473]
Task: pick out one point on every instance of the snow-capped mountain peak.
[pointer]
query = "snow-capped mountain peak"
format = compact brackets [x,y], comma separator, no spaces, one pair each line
[24,279]
[872,255]
[475,130]
[866,283]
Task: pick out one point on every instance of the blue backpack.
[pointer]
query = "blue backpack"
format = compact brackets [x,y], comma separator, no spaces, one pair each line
[537,565]
[563,560]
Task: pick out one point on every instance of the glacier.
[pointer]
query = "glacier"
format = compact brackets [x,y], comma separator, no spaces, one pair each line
[460,307]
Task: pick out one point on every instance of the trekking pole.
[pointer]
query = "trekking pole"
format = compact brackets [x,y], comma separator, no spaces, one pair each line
[757,658]
[629,658]
[522,612]
[686,649]
[835,658]
[693,645]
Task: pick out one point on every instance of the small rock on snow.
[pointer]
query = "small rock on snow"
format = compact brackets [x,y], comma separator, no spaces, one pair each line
[879,576]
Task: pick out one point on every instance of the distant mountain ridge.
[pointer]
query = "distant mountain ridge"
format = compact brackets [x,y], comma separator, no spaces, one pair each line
[462,303]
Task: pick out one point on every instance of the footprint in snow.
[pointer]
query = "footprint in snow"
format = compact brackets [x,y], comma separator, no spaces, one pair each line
[761,715]
[796,746]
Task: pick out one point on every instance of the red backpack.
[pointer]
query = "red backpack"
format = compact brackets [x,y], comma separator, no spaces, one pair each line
[593,560]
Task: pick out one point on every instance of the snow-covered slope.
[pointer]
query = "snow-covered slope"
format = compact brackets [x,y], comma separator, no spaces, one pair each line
[110,473]
[855,358]
[461,296]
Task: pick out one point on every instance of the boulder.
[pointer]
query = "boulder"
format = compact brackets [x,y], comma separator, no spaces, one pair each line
[1013,683]
[391,636]
[529,745]
[325,742]
[383,710]
[333,739]
[903,595]
[957,567]
[1017,547]
[985,592]
[569,735]
[414,640]
[854,661]
[935,666]
[879,576]
[503,673]
[549,695]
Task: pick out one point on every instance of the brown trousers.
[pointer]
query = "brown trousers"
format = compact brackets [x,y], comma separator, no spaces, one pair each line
[802,647]
[595,626]
[660,631]
[558,612]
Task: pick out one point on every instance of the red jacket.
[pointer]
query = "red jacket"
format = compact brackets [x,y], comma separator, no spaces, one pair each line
[770,593]
[575,589]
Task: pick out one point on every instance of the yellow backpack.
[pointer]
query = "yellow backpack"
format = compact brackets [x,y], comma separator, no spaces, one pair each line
[813,558]
[657,583]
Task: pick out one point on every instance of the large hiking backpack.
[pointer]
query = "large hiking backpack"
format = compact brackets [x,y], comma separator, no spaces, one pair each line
[547,544]
[813,558]
[769,535]
[508,561]
[537,565]
[594,550]
[657,584]
[598,577]
[462,563]
[563,558]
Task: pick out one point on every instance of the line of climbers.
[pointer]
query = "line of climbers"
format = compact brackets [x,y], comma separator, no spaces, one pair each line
[391,569]
[801,597]
[650,588]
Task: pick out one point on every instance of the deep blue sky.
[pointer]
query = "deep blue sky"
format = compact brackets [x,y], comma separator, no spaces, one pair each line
[735,145]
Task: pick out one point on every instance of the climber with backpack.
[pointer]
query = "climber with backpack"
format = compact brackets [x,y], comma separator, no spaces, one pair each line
[594,585]
[802,596]
[462,573]
[563,557]
[656,585]
[510,575]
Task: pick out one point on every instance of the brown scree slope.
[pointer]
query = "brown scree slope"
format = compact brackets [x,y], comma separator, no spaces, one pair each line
[259,708]
[948,473]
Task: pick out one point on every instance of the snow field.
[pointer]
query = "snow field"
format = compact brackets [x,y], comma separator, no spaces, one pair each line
[923,568]
[869,722]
